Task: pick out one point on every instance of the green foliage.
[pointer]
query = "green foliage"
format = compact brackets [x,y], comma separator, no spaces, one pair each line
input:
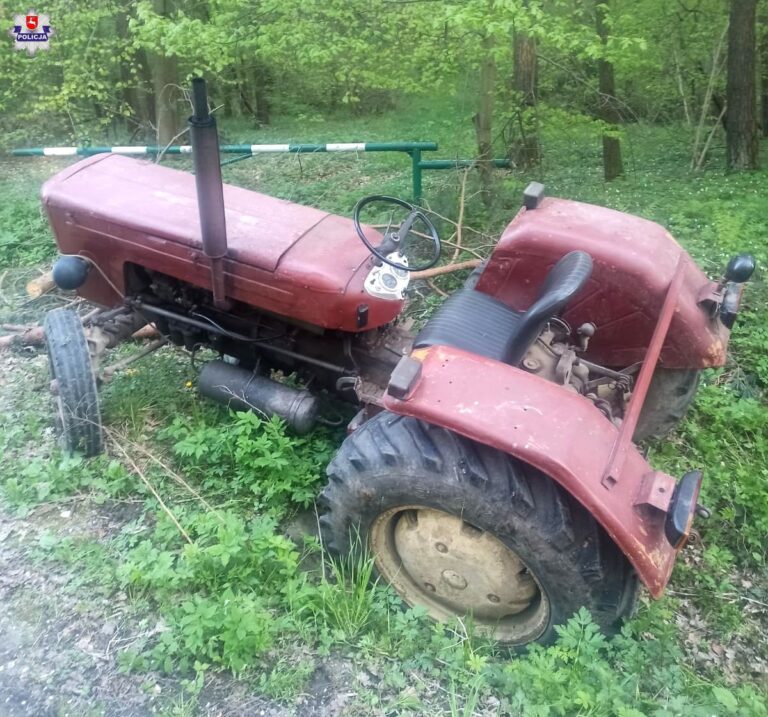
[216,594]
[25,237]
[41,480]
[631,676]
[723,428]
[254,457]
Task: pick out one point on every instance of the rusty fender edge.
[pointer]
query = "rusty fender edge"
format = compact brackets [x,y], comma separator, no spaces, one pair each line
[555,430]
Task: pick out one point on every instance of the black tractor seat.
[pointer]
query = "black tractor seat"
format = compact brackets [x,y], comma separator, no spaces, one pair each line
[476,322]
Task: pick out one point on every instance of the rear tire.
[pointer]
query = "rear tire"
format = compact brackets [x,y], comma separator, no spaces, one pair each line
[77,398]
[670,395]
[419,497]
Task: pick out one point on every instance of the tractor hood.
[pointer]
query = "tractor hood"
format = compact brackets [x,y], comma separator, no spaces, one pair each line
[161,201]
[286,258]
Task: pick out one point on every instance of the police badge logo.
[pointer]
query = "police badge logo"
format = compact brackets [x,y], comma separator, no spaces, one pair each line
[31,32]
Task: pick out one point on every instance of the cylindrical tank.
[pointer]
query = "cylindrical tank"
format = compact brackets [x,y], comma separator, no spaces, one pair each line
[243,390]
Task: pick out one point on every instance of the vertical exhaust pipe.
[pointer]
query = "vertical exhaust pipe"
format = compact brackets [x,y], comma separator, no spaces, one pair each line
[210,191]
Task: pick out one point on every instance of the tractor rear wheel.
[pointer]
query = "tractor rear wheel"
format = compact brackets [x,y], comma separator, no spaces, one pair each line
[670,394]
[460,528]
[73,383]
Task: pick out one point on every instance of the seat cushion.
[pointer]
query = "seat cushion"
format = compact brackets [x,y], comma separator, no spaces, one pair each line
[471,321]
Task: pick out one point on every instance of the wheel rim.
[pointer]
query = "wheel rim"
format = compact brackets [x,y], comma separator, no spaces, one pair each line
[452,569]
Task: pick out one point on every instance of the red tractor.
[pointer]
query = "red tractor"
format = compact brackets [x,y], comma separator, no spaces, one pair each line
[492,468]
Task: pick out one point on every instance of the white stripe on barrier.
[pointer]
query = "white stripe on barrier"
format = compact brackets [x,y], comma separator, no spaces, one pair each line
[185,149]
[129,150]
[59,151]
[256,148]
[349,147]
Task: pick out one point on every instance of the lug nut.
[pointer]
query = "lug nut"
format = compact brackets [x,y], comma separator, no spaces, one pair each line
[441,548]
[430,587]
[494,598]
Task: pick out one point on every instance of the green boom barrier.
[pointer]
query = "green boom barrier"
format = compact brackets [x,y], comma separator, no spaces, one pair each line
[246,151]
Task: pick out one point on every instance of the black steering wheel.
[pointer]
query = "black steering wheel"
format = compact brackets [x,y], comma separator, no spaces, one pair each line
[392,238]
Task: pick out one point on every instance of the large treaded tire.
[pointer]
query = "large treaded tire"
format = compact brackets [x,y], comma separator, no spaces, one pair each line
[670,395]
[398,461]
[78,400]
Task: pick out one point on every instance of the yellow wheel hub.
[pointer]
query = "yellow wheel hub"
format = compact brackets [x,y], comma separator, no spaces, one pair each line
[453,569]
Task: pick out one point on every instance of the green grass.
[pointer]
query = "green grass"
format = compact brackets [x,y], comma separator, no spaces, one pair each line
[237,595]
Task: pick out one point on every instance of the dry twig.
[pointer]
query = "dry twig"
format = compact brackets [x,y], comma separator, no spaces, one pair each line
[460,221]
[447,269]
[147,483]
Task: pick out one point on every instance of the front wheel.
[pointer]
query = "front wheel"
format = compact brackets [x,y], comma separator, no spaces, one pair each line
[74,383]
[462,529]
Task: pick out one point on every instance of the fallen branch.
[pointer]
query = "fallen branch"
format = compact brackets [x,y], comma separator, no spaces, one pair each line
[145,332]
[34,335]
[40,285]
[30,337]
[16,328]
[447,269]
[431,284]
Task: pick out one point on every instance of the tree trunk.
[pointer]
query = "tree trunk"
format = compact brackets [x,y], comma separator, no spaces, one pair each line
[741,117]
[165,81]
[525,151]
[612,164]
[134,95]
[764,73]
[484,120]
[262,84]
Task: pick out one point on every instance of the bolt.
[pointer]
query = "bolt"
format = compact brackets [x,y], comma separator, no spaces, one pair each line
[531,364]
[441,548]
[454,580]
[494,598]
[430,587]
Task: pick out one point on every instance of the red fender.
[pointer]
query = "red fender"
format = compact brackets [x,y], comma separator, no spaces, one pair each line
[557,431]
[634,263]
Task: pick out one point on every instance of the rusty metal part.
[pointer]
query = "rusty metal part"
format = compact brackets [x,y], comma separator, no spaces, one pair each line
[554,360]
[110,370]
[106,333]
[243,390]
[564,366]
[623,442]
[452,568]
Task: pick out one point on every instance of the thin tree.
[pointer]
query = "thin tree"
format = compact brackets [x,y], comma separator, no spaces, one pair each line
[165,81]
[608,112]
[483,119]
[525,150]
[742,141]
[763,45]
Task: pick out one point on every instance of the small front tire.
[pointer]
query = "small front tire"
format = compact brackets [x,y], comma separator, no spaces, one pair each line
[77,399]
